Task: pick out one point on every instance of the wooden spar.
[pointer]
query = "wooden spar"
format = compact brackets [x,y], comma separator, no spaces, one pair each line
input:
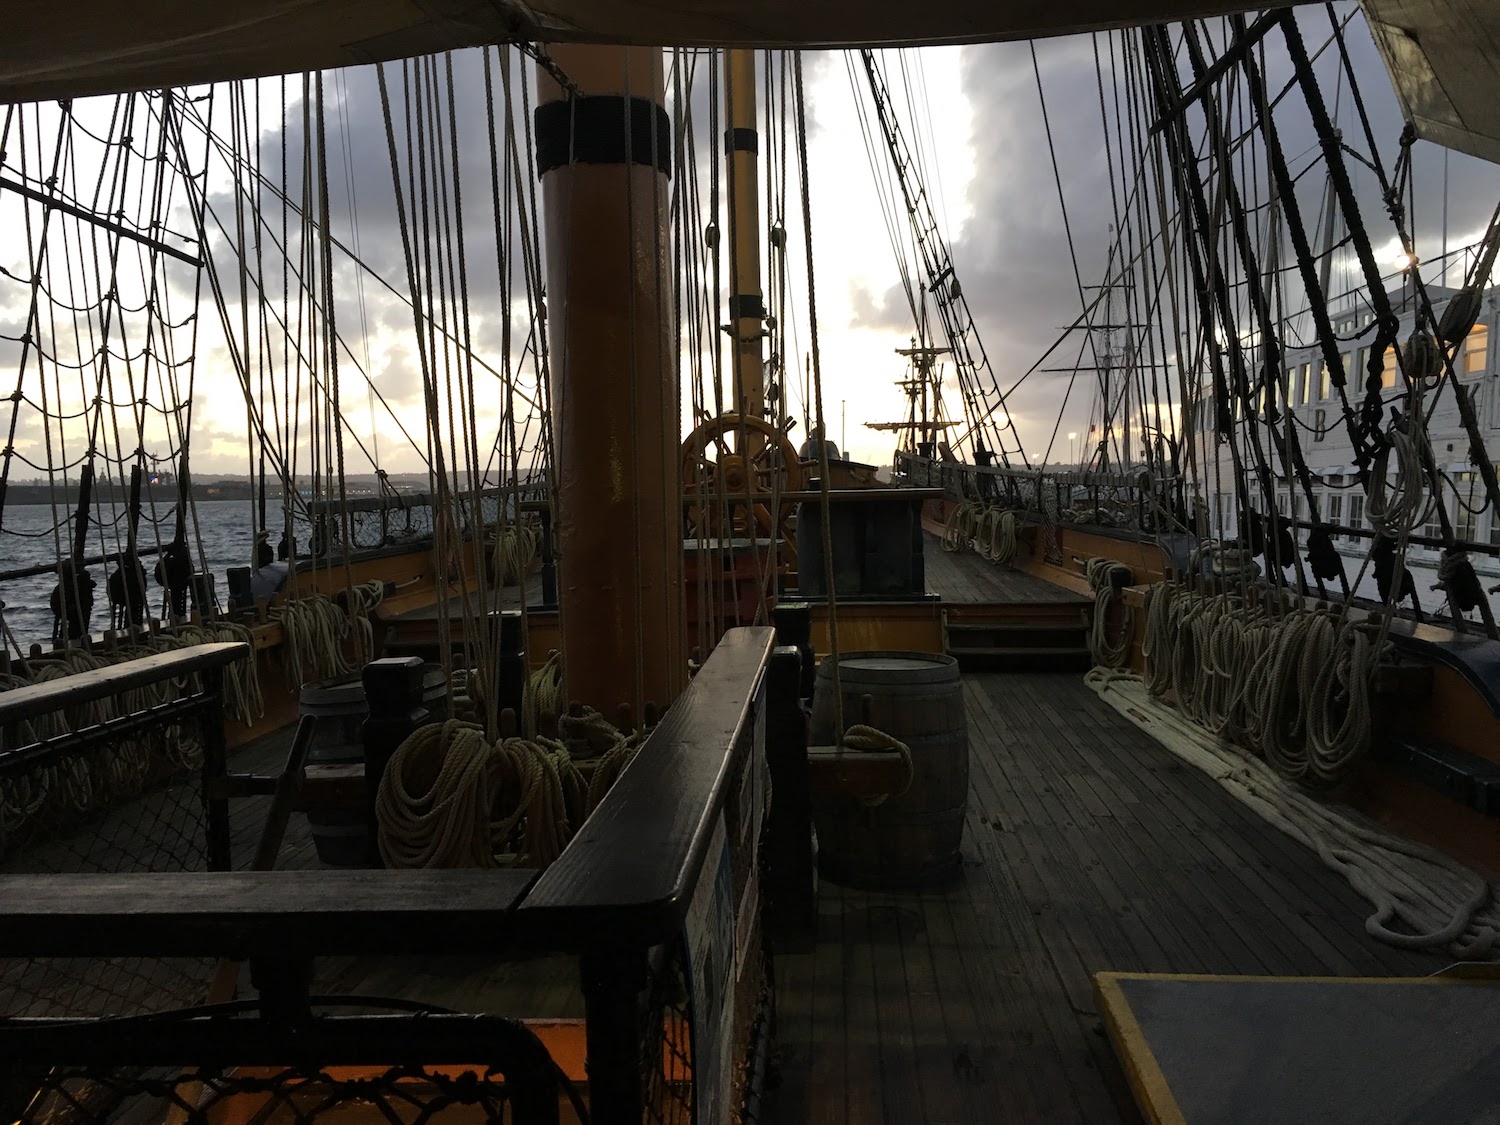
[604,156]
[747,310]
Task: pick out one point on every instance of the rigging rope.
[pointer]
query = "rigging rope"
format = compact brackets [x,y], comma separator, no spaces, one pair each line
[1106,578]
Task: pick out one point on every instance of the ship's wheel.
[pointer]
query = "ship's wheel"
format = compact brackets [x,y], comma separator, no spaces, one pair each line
[744,459]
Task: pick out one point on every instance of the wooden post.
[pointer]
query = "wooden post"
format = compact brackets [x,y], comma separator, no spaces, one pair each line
[791,865]
[612,982]
[215,769]
[604,156]
[393,689]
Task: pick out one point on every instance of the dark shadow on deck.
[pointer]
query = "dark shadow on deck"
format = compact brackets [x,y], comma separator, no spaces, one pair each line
[1087,847]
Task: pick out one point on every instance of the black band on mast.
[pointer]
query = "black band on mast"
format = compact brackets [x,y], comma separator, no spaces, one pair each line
[594,129]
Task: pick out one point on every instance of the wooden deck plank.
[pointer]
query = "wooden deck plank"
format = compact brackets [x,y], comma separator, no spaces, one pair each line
[964,578]
[1088,847]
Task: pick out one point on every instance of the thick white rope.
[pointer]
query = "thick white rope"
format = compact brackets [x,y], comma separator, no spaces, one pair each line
[1423,899]
[958,531]
[995,536]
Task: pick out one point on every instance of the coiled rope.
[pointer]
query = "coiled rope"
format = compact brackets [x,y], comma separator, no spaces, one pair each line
[962,523]
[995,536]
[514,551]
[542,695]
[1105,577]
[450,798]
[1423,899]
[314,628]
[1296,686]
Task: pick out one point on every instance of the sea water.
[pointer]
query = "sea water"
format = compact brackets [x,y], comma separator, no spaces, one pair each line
[30,535]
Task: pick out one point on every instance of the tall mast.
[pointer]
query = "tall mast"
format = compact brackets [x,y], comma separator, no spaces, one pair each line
[747,310]
[604,155]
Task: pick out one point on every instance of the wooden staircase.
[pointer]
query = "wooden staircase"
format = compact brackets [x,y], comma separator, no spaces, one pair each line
[1020,638]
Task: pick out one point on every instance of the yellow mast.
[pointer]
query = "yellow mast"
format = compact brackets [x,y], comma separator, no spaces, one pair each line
[604,155]
[747,310]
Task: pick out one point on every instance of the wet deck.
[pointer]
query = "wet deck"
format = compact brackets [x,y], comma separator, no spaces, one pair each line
[1087,847]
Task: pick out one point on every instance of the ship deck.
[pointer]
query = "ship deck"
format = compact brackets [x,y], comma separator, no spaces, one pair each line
[963,578]
[1087,847]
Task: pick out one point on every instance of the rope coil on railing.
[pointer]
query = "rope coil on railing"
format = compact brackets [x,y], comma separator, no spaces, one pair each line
[995,536]
[1106,577]
[962,522]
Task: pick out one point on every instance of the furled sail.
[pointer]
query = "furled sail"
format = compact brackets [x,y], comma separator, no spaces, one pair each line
[1444,60]
[68,48]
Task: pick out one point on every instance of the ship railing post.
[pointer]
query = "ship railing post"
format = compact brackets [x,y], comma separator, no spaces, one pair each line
[549,564]
[393,690]
[215,769]
[613,980]
[791,876]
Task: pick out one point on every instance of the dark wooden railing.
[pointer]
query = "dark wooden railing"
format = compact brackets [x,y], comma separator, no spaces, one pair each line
[658,896]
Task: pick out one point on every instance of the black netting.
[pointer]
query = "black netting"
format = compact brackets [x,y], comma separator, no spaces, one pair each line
[667,1040]
[133,806]
[273,1095]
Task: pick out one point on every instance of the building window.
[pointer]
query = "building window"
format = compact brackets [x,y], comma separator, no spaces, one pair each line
[1334,512]
[1307,382]
[1388,372]
[1356,516]
[1465,526]
[1474,354]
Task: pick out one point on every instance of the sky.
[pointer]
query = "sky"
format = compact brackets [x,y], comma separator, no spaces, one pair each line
[973,116]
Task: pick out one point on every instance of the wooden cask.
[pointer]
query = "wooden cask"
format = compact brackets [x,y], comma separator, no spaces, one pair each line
[911,840]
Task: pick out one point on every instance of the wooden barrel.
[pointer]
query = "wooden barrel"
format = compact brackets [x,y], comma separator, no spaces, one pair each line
[910,840]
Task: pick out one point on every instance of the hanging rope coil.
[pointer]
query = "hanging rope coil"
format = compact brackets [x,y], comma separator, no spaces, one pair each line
[542,695]
[962,523]
[514,552]
[1296,686]
[314,628]
[1422,898]
[995,536]
[1106,578]
[871,740]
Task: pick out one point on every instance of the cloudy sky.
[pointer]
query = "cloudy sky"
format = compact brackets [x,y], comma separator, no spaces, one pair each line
[974,116]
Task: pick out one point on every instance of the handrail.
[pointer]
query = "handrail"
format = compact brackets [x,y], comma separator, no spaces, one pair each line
[249,914]
[19,704]
[630,872]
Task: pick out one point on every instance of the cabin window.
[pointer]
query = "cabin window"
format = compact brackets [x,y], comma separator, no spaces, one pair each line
[1474,355]
[1356,516]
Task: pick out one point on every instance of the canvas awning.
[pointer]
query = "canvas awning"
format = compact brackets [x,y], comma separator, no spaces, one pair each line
[1444,60]
[69,48]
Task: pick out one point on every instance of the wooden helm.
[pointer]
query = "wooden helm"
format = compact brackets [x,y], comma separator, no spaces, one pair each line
[743,459]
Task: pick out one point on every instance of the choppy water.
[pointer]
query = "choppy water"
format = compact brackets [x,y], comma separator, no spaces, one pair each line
[26,539]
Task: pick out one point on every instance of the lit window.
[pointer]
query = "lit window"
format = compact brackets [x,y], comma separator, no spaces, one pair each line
[1325,381]
[1388,372]
[1474,356]
[1307,383]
